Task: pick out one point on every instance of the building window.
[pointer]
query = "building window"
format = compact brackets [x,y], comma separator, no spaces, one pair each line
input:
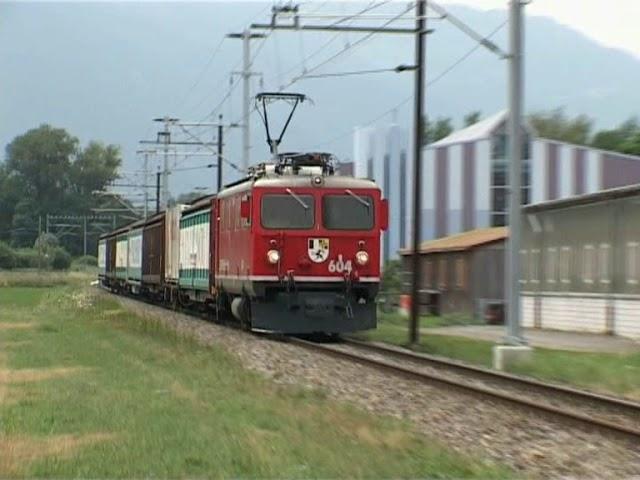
[498,219]
[565,265]
[499,145]
[534,266]
[632,262]
[500,187]
[442,273]
[428,274]
[461,273]
[551,270]
[524,266]
[604,254]
[588,263]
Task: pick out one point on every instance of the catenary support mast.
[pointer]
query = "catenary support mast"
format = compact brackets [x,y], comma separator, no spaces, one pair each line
[418,114]
[514,335]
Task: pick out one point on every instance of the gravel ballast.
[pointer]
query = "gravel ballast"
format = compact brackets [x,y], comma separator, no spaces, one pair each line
[530,444]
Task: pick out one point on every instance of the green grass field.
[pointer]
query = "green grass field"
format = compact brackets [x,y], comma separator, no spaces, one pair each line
[609,373]
[87,390]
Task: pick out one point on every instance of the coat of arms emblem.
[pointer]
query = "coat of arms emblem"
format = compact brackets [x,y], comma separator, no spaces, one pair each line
[318,249]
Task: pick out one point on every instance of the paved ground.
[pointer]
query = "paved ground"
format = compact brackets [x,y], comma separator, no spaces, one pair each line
[579,342]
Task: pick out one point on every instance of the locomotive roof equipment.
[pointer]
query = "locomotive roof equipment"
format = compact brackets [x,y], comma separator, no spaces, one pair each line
[266,98]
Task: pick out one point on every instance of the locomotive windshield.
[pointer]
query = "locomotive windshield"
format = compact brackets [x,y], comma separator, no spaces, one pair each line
[347,212]
[288,211]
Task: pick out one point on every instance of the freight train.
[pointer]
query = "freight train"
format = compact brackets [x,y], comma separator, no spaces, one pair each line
[291,248]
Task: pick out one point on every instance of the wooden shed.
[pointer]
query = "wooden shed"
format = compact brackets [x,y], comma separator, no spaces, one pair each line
[462,273]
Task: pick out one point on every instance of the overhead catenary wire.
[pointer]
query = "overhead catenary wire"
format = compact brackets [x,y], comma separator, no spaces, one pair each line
[369,7]
[216,51]
[355,44]
[431,82]
[355,72]
[222,157]
[202,73]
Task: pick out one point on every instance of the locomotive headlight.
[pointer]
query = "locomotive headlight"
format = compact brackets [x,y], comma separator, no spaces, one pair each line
[273,256]
[362,258]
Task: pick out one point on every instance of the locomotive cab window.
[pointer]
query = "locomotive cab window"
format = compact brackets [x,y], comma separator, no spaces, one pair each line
[287,211]
[350,211]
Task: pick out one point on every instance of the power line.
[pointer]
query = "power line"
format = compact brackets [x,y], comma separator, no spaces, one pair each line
[251,19]
[429,83]
[369,7]
[400,68]
[202,72]
[358,42]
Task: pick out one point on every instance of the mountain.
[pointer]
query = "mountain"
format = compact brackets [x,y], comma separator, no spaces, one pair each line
[104,70]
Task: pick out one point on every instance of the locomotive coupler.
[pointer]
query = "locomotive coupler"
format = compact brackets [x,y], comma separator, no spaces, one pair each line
[292,291]
[348,283]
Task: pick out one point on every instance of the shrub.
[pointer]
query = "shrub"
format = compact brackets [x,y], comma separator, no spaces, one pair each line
[29,258]
[46,242]
[86,261]
[59,259]
[7,256]
[392,276]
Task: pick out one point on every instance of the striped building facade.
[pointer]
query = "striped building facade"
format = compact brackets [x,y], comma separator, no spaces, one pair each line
[465,176]
[382,154]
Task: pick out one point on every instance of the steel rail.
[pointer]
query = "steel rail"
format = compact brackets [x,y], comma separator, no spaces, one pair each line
[579,419]
[602,399]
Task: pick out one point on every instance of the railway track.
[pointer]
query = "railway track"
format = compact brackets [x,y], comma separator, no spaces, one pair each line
[587,410]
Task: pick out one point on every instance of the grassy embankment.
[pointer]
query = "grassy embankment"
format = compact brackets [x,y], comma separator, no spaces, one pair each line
[87,390]
[617,374]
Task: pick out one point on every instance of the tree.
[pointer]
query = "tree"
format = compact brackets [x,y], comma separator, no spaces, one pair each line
[555,125]
[47,172]
[472,117]
[436,131]
[188,197]
[11,191]
[625,138]
[24,226]
[95,166]
[42,158]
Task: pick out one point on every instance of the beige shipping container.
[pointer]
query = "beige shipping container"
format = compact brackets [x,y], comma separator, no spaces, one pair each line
[172,243]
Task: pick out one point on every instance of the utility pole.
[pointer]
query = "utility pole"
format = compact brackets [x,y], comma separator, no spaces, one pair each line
[145,173]
[84,234]
[418,113]
[514,336]
[164,137]
[246,74]
[157,191]
[220,130]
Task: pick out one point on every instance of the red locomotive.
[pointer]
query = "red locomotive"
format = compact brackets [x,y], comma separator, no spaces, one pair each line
[298,249]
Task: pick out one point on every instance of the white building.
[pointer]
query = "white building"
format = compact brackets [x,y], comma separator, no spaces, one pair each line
[382,154]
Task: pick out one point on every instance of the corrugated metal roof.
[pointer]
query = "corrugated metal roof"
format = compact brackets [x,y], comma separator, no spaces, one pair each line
[477,131]
[585,199]
[462,241]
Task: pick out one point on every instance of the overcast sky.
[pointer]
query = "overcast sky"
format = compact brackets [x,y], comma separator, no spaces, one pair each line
[611,22]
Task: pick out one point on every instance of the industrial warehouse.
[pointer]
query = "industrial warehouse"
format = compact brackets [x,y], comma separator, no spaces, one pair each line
[581,263]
